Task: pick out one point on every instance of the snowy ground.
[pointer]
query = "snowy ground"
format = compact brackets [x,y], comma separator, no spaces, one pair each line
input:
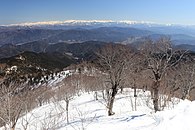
[88,114]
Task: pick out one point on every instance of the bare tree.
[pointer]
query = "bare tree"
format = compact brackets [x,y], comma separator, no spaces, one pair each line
[170,87]
[159,58]
[42,94]
[113,60]
[12,102]
[66,91]
[186,79]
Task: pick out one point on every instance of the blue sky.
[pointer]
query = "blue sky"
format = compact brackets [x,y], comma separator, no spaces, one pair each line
[159,11]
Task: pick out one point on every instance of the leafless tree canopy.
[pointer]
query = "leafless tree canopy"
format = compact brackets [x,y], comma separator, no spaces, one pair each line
[160,57]
[114,60]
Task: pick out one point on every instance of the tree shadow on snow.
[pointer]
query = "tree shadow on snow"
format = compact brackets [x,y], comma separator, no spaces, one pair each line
[132,117]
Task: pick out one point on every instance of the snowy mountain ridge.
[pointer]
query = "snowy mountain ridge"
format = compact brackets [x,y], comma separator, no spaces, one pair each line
[85,22]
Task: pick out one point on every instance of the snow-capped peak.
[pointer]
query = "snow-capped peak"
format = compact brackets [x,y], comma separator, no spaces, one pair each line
[79,22]
[60,22]
[136,22]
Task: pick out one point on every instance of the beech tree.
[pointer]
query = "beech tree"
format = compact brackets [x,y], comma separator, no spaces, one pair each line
[113,60]
[160,57]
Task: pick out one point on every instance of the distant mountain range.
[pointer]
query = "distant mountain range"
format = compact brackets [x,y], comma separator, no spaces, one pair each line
[94,23]
[63,36]
[106,34]
[90,24]
[43,30]
[40,49]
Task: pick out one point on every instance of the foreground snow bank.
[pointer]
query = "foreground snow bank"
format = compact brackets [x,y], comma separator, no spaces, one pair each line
[87,114]
[180,118]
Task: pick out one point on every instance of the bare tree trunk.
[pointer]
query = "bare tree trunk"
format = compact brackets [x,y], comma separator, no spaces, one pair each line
[132,104]
[135,96]
[67,112]
[40,101]
[103,95]
[108,95]
[110,112]
[186,94]
[135,103]
[121,90]
[13,126]
[95,95]
[111,101]
[156,96]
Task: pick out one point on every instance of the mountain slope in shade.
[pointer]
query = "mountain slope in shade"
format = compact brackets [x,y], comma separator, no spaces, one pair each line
[83,50]
[50,61]
[18,36]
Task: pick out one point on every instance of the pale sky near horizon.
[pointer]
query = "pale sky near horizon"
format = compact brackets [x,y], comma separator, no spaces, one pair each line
[158,11]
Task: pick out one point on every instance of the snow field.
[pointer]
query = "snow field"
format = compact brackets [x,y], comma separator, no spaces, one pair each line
[86,113]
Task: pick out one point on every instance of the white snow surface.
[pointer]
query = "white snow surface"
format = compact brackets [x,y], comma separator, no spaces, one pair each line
[87,114]
[57,79]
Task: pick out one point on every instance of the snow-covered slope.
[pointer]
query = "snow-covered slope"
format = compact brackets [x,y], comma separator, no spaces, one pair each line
[88,114]
[180,118]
